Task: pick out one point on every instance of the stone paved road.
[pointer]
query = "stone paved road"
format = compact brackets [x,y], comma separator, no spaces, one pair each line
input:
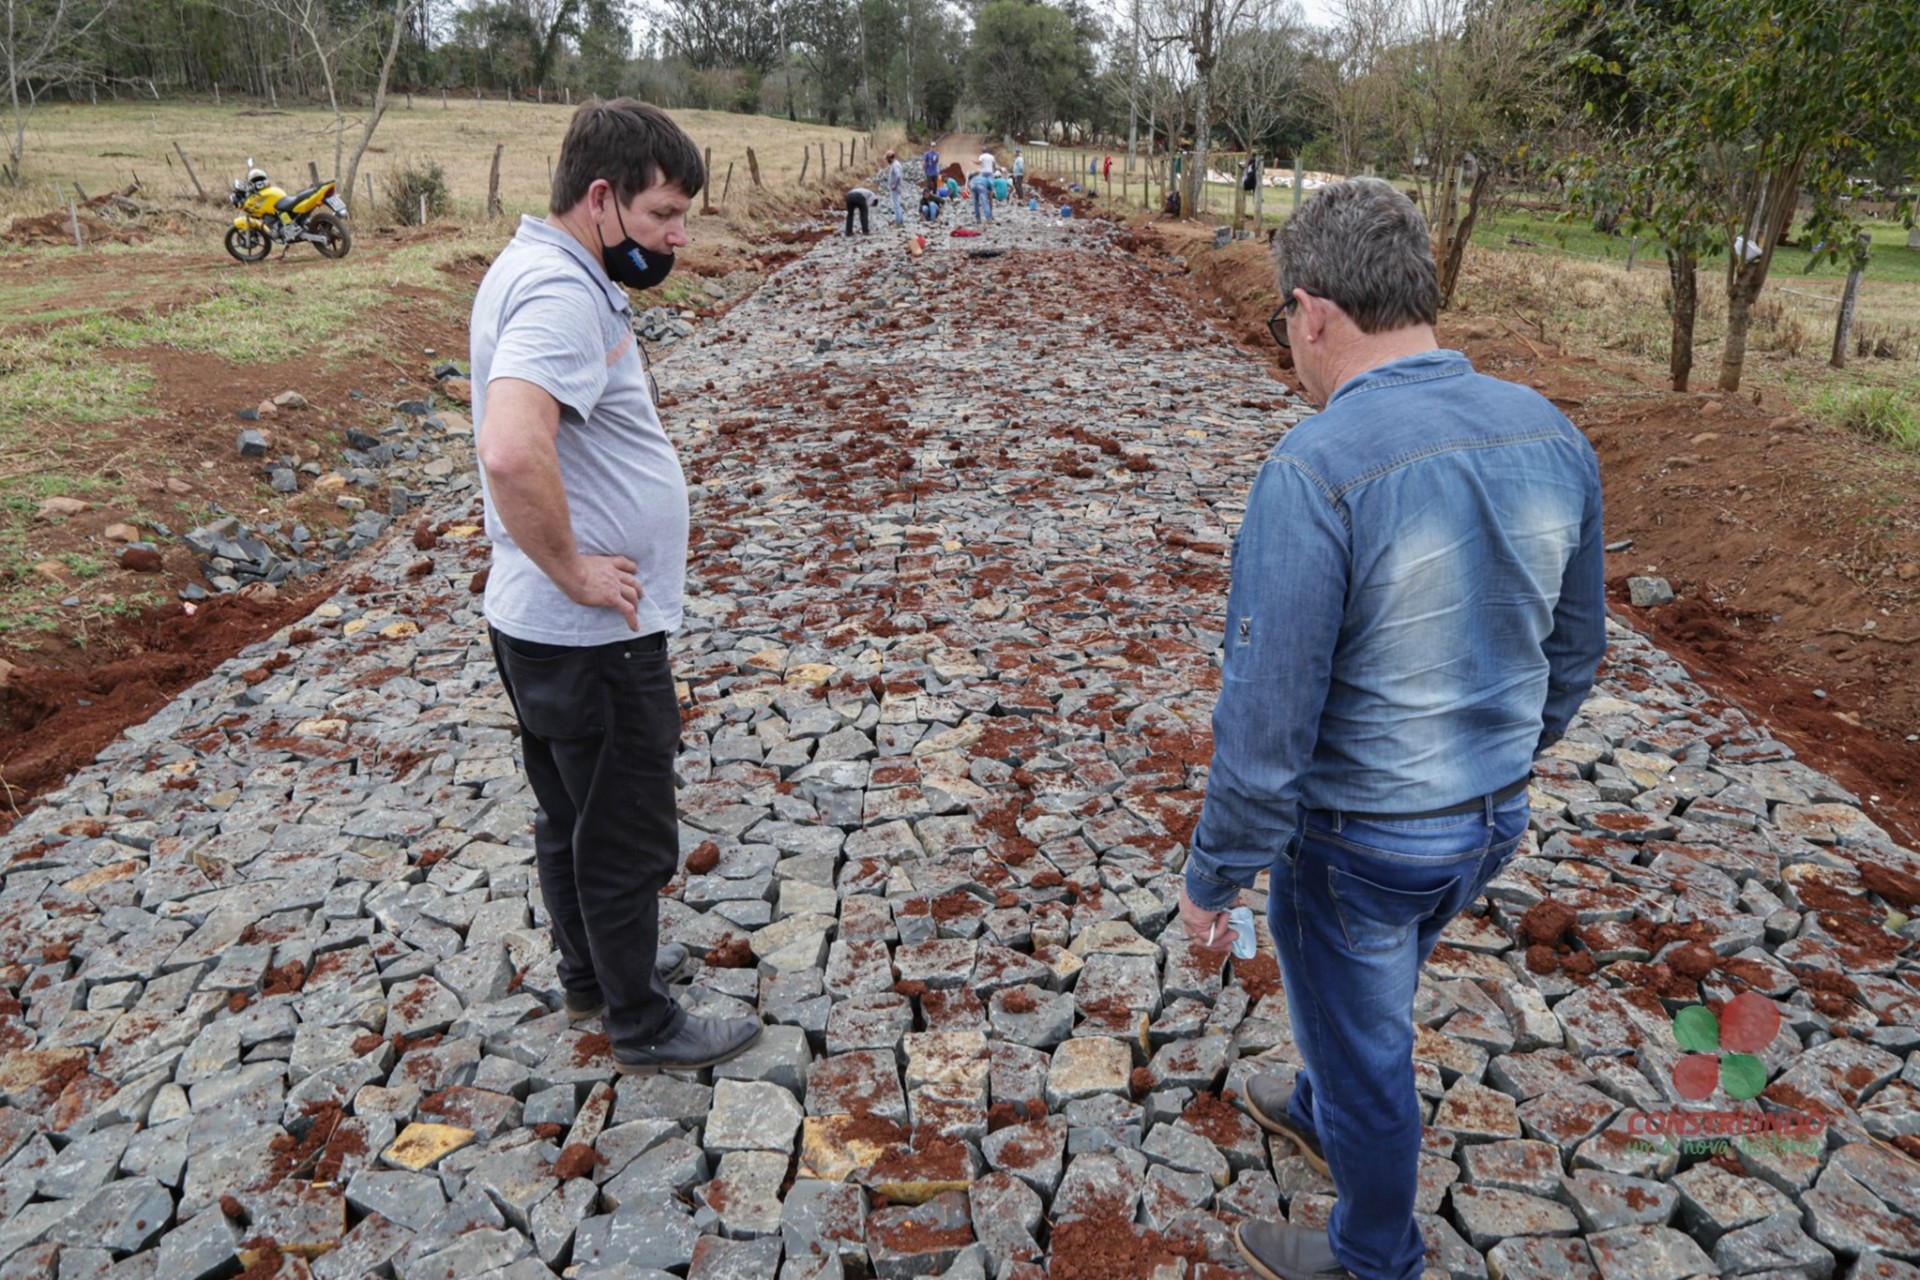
[277,994]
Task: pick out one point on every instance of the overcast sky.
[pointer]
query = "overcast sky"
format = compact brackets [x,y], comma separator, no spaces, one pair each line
[1316,12]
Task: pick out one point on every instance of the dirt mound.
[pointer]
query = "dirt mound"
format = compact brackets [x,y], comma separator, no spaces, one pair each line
[113,218]
[57,228]
[53,722]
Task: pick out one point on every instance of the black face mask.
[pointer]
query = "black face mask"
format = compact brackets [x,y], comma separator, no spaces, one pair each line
[628,264]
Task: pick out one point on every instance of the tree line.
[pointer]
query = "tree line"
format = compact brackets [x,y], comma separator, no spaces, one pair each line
[1717,129]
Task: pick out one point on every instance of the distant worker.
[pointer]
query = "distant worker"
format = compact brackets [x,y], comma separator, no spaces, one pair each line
[981,184]
[1019,175]
[894,177]
[859,200]
[930,163]
[986,164]
[1106,169]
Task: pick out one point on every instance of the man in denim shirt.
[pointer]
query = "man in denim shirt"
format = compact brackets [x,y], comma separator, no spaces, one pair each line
[1417,608]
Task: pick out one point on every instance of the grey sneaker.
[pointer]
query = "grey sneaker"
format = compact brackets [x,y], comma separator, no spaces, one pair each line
[1277,1251]
[1267,1101]
[670,962]
[700,1042]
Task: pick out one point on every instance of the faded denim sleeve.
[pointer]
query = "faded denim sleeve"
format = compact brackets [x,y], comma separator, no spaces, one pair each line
[1579,637]
[1284,612]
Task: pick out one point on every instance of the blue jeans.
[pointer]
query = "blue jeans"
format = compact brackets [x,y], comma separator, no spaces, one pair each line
[1356,906]
[982,202]
[899,219]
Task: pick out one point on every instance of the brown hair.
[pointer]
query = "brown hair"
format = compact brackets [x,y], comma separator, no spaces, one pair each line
[632,144]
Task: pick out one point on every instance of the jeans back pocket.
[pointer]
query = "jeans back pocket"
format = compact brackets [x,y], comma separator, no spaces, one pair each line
[1377,917]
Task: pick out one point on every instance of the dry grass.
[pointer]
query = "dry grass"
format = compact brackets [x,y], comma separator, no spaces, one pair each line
[105,146]
[1599,309]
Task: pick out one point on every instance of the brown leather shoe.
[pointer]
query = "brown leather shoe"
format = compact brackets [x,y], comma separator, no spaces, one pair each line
[1267,1101]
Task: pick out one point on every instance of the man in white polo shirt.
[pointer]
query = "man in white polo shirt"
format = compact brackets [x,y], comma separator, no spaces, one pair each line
[587,510]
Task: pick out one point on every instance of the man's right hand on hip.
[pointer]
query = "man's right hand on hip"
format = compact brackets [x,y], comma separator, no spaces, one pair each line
[606,582]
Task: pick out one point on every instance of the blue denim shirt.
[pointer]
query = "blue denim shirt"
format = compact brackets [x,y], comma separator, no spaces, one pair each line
[1418,606]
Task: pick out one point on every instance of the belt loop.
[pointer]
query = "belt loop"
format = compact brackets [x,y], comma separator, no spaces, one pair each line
[1339,821]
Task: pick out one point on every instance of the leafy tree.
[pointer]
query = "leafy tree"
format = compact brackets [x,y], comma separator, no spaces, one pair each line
[1749,109]
[723,33]
[1027,62]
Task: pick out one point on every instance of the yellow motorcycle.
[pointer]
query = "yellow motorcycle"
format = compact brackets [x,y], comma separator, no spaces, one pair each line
[270,216]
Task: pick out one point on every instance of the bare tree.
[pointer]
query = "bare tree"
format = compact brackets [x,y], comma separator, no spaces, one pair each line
[39,45]
[402,11]
[1205,28]
[1469,74]
[1257,79]
[312,26]
[1348,77]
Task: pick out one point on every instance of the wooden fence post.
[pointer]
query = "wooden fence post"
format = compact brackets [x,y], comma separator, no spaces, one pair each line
[1633,247]
[313,173]
[753,166]
[806,157]
[823,158]
[1259,194]
[706,189]
[727,186]
[842,149]
[73,211]
[443,98]
[369,177]
[195,178]
[493,182]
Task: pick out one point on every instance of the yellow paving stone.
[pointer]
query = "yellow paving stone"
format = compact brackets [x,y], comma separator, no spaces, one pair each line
[421,1145]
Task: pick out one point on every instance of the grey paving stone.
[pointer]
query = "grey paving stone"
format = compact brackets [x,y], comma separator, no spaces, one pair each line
[1647,1252]
[1777,1243]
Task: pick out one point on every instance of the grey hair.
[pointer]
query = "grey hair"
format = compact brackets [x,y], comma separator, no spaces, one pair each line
[1364,246]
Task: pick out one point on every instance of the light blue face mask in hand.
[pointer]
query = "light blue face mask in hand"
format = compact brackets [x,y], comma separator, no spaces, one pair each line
[1240,920]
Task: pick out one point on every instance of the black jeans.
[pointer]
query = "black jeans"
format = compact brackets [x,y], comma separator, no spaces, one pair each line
[853,203]
[599,728]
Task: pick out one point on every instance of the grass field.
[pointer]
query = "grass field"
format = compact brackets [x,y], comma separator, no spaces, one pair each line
[110,355]
[104,147]
[1562,280]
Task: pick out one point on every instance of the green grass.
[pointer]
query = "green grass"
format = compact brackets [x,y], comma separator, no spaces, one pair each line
[1878,413]
[1524,229]
[72,370]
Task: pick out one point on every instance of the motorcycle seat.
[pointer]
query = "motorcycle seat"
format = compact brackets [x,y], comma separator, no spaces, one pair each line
[287,203]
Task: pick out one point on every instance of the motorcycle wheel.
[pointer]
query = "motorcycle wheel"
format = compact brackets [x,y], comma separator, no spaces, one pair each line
[337,241]
[247,244]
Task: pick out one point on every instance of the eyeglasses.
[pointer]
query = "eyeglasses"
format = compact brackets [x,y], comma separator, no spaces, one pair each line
[1277,322]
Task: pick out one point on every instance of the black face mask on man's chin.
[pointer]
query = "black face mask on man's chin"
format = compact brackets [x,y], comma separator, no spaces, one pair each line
[629,264]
